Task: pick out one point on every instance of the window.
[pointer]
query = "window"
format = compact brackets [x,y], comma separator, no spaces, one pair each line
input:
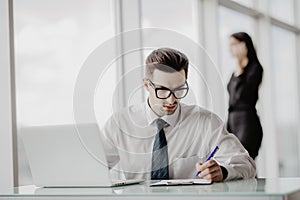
[52,40]
[176,15]
[230,22]
[183,18]
[285,99]
[283,10]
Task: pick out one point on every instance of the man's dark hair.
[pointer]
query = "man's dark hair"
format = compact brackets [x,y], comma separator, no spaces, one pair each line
[168,60]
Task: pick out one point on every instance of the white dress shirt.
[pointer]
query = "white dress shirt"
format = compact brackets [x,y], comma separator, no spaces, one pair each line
[192,133]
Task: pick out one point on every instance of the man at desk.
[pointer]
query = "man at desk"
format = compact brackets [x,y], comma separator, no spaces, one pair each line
[165,139]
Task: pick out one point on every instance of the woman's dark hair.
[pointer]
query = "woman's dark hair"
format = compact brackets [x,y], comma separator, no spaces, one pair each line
[244,37]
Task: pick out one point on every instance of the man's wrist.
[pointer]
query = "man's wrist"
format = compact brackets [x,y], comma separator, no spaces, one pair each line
[224,172]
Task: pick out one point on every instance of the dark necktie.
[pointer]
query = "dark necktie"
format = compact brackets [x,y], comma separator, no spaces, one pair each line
[160,168]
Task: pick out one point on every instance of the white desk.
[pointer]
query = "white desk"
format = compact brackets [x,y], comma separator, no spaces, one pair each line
[258,189]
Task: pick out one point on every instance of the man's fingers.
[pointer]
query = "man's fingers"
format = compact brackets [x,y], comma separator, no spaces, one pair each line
[210,170]
[216,177]
[198,166]
[201,167]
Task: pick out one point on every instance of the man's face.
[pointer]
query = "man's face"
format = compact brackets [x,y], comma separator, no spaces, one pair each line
[161,79]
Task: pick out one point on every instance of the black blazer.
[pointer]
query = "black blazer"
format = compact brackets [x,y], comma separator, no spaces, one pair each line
[242,117]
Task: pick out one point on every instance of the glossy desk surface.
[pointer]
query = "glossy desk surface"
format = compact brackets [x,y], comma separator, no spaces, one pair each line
[277,188]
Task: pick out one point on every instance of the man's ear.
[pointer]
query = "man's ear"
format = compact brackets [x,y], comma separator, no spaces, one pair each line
[146,84]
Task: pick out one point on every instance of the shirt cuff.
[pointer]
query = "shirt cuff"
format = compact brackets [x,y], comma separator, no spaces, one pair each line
[224,172]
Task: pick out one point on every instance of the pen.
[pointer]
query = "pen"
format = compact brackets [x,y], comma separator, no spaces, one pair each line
[210,156]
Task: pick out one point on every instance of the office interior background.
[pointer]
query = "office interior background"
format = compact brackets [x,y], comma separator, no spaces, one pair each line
[44,44]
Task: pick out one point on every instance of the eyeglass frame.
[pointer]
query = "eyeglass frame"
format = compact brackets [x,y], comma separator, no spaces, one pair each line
[171,91]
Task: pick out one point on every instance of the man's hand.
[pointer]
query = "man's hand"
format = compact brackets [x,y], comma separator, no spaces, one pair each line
[210,170]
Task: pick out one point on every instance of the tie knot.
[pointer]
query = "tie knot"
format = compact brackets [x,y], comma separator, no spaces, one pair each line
[160,123]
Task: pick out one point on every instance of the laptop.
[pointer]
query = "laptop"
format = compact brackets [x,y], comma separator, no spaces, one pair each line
[68,156]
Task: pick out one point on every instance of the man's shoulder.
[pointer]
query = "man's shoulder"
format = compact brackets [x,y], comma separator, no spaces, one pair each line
[133,113]
[194,109]
[131,110]
[197,111]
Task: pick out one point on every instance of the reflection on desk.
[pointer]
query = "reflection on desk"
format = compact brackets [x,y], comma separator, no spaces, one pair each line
[249,185]
[277,188]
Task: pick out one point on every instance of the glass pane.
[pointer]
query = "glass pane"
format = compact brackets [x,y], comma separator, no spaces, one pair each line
[165,14]
[52,40]
[298,13]
[285,98]
[283,10]
[182,17]
[230,22]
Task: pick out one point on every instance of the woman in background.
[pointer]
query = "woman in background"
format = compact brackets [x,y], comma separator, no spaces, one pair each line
[243,93]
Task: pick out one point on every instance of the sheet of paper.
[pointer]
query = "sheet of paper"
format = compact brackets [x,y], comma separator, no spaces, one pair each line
[182,182]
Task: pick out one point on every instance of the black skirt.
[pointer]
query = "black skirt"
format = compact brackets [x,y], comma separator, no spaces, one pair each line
[246,126]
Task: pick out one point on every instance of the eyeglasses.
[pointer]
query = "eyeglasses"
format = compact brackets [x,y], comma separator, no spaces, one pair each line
[164,93]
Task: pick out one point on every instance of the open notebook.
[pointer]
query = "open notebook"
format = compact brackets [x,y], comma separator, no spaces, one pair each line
[182,182]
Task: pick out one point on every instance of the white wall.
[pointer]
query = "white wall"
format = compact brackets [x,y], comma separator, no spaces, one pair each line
[6,157]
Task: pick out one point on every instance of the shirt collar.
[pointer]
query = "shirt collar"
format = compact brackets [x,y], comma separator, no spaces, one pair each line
[170,119]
